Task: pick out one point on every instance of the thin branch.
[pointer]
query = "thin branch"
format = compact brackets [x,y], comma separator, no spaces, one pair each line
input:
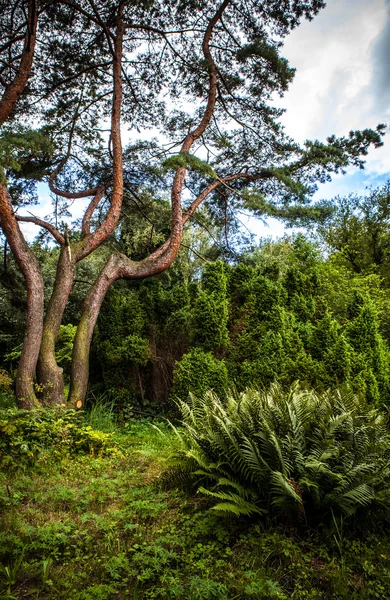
[48,226]
[64,160]
[195,252]
[85,227]
[266,174]
[83,281]
[109,35]
[72,77]
[12,41]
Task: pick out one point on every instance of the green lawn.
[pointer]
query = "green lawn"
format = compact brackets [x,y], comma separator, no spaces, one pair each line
[96,528]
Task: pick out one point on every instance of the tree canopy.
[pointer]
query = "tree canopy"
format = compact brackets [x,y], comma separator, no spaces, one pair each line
[78,76]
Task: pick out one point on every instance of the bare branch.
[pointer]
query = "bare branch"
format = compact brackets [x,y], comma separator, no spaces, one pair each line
[266,174]
[195,252]
[48,226]
[85,227]
[16,87]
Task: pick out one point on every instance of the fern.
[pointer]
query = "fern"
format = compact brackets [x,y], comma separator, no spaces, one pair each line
[296,453]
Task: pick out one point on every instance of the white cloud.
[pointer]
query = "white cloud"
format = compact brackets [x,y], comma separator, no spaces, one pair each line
[333,56]
[342,67]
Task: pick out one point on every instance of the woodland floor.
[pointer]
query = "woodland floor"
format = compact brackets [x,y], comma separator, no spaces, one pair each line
[91,528]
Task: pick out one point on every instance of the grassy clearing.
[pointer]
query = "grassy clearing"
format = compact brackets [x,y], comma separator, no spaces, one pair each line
[97,528]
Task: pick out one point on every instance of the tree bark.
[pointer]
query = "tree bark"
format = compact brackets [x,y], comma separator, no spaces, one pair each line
[82,342]
[50,375]
[117,267]
[14,90]
[29,266]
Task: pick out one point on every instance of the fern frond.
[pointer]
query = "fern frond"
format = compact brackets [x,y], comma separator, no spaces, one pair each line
[284,451]
[283,493]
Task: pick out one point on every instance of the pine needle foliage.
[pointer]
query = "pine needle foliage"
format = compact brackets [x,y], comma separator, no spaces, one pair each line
[298,454]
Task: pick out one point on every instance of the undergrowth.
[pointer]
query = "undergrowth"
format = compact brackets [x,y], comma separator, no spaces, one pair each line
[90,526]
[296,454]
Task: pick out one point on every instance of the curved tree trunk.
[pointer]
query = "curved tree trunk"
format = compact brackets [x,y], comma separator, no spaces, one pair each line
[29,266]
[93,302]
[50,375]
[120,266]
[117,267]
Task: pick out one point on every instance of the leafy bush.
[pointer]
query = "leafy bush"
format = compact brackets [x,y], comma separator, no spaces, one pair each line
[24,435]
[210,311]
[5,382]
[197,372]
[7,398]
[305,455]
[65,342]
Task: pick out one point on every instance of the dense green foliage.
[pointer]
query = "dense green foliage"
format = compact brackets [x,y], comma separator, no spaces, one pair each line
[24,436]
[101,528]
[357,232]
[281,313]
[210,311]
[301,455]
[199,371]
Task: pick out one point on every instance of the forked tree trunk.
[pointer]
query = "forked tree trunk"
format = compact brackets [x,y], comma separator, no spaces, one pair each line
[50,375]
[29,266]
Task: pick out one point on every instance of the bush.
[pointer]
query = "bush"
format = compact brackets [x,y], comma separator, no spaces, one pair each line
[6,382]
[305,455]
[210,311]
[24,435]
[197,372]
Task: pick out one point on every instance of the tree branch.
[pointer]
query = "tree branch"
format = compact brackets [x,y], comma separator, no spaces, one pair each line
[178,183]
[85,227]
[266,174]
[195,252]
[55,233]
[16,87]
[92,241]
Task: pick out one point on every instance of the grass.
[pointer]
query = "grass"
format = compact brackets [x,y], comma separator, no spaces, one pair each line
[101,415]
[90,528]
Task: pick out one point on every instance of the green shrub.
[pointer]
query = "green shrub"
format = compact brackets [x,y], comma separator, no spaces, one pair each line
[197,372]
[64,346]
[7,398]
[210,311]
[305,455]
[209,321]
[24,435]
[6,382]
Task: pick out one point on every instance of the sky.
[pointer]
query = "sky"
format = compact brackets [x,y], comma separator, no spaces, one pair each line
[342,82]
